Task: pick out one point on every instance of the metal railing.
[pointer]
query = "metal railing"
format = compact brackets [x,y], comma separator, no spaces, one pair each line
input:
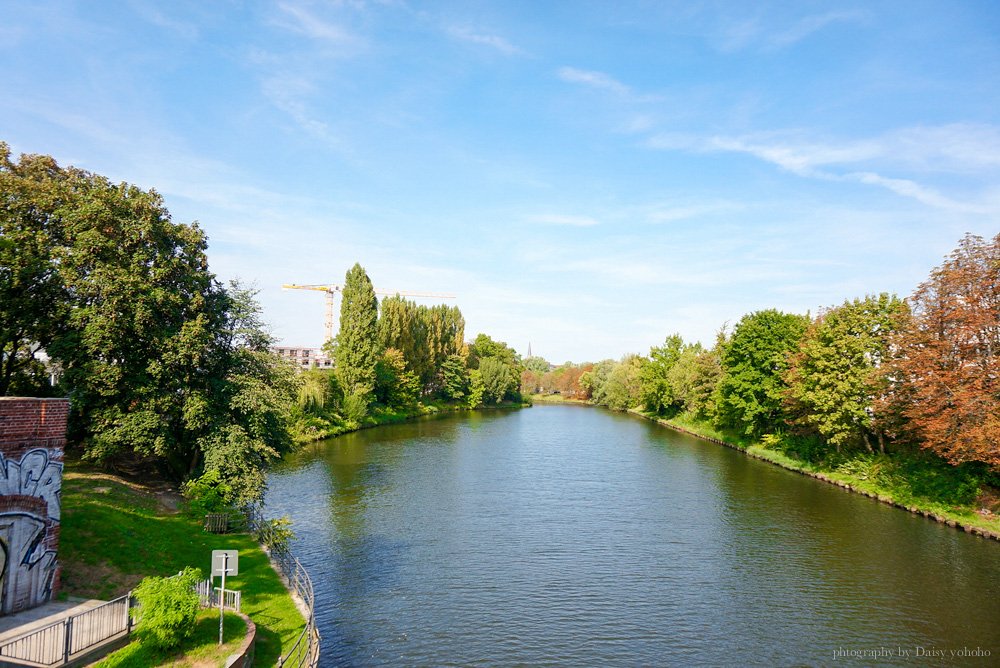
[208,596]
[59,643]
[305,649]
[64,641]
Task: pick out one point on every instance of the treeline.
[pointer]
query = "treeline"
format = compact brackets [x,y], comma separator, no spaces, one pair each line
[871,375]
[107,301]
[397,359]
[165,367]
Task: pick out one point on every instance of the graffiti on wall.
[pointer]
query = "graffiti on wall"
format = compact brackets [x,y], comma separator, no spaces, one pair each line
[30,490]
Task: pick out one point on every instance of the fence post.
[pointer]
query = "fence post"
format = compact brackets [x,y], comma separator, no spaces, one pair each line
[68,638]
[128,612]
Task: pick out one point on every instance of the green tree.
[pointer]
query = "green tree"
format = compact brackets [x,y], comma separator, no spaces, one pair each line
[163,363]
[243,418]
[497,378]
[594,382]
[485,346]
[455,379]
[357,349]
[623,388]
[32,295]
[835,378]
[445,336]
[395,385]
[403,326]
[658,393]
[751,392]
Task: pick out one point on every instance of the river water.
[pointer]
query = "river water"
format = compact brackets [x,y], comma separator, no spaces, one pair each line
[573,536]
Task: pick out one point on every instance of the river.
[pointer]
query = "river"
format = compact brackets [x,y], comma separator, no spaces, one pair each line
[574,536]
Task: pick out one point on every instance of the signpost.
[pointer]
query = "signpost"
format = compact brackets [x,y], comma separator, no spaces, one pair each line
[224,562]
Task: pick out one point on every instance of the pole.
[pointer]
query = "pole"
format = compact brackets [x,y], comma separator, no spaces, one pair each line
[222,594]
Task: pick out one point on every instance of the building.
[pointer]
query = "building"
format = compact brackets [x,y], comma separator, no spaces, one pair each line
[304,358]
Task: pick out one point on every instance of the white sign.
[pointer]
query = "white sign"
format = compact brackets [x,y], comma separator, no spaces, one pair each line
[225,559]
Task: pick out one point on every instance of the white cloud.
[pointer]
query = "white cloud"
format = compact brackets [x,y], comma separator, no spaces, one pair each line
[493,41]
[958,148]
[297,19]
[593,79]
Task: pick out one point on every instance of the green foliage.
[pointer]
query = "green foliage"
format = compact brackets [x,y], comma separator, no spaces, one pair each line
[750,394]
[394,384]
[200,648]
[403,325]
[498,380]
[318,390]
[484,346]
[455,379]
[357,349]
[477,389]
[163,363]
[663,387]
[207,494]
[355,410]
[835,378]
[167,608]
[276,534]
[108,528]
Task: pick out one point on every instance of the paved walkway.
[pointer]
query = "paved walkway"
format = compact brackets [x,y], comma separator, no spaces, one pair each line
[12,626]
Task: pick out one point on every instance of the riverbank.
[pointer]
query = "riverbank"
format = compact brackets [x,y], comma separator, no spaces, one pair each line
[862,474]
[117,530]
[318,429]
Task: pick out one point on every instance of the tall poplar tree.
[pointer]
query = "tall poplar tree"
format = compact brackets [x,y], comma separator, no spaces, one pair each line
[357,350]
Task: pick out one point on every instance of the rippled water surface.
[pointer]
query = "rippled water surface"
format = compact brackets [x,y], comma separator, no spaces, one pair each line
[571,536]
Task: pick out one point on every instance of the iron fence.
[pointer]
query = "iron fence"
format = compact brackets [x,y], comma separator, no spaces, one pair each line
[305,649]
[59,643]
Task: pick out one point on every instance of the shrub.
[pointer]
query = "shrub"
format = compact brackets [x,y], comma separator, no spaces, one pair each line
[275,534]
[167,608]
[207,494]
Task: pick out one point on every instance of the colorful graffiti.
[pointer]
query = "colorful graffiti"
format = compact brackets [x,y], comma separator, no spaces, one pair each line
[30,490]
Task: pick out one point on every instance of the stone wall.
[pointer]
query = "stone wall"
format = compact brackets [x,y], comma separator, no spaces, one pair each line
[32,439]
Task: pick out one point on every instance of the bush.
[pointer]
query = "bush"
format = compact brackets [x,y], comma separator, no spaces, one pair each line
[207,494]
[167,608]
[275,534]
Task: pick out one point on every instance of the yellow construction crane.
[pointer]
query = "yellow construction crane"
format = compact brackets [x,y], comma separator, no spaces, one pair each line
[332,290]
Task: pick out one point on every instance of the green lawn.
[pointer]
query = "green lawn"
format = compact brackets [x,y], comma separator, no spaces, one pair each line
[201,649]
[115,532]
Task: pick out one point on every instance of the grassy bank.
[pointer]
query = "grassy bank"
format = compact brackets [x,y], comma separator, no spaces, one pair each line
[557,399]
[317,428]
[115,531]
[962,496]
[201,649]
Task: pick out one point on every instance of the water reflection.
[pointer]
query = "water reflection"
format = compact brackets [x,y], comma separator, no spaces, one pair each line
[572,536]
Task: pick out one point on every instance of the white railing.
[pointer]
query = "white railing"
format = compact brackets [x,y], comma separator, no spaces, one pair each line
[208,596]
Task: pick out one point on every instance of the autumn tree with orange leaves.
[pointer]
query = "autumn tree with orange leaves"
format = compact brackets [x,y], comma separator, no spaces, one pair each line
[947,366]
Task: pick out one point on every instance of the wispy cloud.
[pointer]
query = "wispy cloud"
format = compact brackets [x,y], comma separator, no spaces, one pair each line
[593,79]
[288,94]
[297,19]
[558,219]
[955,148]
[466,34]
[809,25]
[186,30]
[769,35]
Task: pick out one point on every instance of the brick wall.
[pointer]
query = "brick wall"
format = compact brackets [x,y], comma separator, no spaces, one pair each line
[32,441]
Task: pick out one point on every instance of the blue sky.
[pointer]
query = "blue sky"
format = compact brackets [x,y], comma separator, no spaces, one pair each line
[586,177]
